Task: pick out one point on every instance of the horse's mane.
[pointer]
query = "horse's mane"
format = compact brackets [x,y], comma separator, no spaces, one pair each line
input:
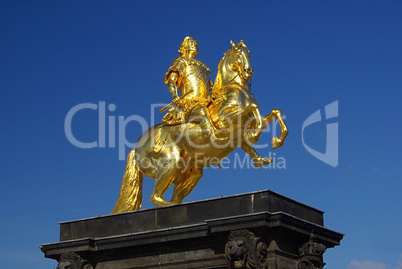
[218,80]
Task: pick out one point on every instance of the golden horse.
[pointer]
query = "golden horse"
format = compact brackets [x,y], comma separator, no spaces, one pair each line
[177,154]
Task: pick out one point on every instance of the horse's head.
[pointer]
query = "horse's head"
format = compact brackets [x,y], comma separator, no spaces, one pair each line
[234,68]
[239,60]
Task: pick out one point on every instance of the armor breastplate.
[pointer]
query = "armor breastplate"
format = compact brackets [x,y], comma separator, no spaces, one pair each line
[195,78]
[192,75]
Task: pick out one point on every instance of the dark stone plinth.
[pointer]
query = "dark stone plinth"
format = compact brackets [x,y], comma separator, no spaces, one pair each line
[251,230]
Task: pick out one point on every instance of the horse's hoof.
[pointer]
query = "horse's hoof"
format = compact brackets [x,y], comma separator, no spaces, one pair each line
[277,112]
[158,201]
[276,143]
[259,162]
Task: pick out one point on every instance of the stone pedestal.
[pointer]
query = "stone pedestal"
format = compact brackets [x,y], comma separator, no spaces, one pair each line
[254,230]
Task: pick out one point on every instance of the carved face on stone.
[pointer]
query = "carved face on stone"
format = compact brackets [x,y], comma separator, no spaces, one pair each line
[236,251]
[72,260]
[64,265]
[245,250]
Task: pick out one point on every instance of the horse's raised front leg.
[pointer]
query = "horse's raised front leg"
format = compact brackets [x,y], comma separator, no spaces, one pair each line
[257,159]
[254,125]
[253,130]
[277,141]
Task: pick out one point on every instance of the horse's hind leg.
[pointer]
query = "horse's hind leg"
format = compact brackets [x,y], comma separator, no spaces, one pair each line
[163,181]
[186,184]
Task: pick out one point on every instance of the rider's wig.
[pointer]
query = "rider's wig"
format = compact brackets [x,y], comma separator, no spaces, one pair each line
[183,48]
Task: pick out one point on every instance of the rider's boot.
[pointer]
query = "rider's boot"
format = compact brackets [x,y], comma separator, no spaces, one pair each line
[202,113]
[206,124]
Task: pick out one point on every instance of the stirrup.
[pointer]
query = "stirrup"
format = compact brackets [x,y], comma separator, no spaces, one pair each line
[216,138]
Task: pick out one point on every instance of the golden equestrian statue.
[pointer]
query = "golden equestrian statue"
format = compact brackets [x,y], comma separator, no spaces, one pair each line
[201,128]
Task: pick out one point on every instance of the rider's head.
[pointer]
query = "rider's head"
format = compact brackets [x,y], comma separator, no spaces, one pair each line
[188,47]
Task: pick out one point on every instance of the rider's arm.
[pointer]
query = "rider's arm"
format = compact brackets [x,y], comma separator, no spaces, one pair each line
[171,85]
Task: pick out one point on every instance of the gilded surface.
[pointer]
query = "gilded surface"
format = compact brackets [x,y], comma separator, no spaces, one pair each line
[200,129]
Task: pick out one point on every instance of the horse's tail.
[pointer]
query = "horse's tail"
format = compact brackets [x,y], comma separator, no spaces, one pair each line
[130,197]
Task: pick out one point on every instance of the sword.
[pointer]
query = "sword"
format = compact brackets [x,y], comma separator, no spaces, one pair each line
[174,103]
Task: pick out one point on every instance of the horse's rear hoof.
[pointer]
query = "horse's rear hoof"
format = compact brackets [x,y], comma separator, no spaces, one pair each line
[158,201]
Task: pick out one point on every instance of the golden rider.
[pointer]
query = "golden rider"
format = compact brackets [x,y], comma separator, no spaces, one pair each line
[191,77]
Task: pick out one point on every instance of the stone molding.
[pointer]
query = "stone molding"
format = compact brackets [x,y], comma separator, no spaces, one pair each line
[231,232]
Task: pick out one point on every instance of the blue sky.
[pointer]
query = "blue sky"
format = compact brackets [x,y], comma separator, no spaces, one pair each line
[56,55]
